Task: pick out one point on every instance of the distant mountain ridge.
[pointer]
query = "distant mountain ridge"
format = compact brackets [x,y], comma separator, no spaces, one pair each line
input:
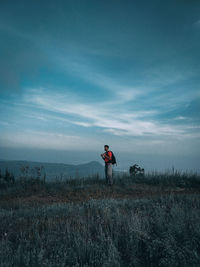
[52,170]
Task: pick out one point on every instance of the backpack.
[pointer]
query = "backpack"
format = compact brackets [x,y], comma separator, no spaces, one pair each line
[113,160]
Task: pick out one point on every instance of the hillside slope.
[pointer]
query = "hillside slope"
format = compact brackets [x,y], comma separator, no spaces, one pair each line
[53,170]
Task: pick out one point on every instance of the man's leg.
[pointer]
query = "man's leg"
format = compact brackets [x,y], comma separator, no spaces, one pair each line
[106,172]
[109,174]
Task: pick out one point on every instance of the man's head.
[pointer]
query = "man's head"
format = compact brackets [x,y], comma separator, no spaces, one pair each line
[106,147]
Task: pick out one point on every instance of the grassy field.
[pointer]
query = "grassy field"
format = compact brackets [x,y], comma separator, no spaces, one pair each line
[142,221]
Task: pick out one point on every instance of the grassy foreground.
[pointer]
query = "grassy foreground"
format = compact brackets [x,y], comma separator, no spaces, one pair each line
[150,221]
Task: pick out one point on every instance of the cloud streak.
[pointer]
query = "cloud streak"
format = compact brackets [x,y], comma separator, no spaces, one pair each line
[122,123]
[45,140]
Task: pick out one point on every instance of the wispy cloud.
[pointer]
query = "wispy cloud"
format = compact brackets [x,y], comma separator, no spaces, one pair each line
[197,23]
[154,88]
[46,140]
[121,123]
[49,118]
[122,91]
[180,118]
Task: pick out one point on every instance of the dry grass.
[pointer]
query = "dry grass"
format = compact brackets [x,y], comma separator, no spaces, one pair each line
[82,194]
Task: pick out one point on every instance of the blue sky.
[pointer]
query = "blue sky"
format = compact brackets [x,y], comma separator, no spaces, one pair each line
[76,75]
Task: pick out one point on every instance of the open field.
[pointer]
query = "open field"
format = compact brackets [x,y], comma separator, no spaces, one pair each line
[34,192]
[144,221]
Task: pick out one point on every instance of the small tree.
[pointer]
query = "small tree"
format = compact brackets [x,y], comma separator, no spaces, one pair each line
[7,175]
[38,173]
[44,178]
[12,178]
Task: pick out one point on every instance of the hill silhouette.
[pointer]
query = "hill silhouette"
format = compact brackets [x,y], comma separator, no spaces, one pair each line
[53,170]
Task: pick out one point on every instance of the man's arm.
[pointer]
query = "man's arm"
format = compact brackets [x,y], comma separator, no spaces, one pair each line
[108,156]
[103,156]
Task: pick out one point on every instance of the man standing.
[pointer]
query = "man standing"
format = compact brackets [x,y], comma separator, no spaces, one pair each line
[107,157]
